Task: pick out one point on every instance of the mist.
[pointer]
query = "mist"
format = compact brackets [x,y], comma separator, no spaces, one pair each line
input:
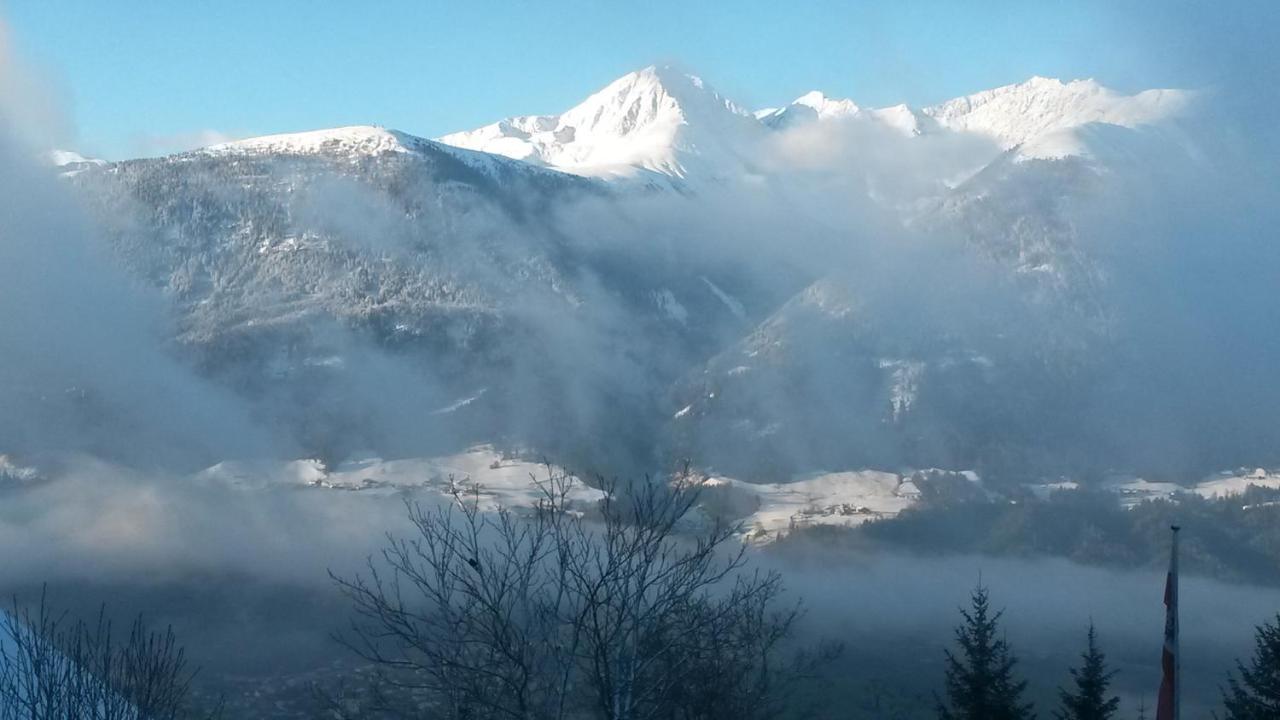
[84,368]
[581,323]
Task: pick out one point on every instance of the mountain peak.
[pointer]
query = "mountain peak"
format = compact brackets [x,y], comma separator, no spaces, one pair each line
[657,119]
[664,75]
[826,107]
[813,105]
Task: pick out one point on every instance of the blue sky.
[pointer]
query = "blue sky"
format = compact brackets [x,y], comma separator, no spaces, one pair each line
[144,76]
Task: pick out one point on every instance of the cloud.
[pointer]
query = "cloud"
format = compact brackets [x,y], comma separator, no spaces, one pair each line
[32,103]
[86,365]
[97,521]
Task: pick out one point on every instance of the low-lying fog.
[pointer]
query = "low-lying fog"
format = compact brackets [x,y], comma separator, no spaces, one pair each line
[242,577]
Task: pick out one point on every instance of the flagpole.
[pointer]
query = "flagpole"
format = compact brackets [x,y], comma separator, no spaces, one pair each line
[1177,629]
[1169,706]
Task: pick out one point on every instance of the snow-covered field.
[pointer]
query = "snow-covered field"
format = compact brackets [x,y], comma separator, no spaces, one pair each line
[1135,490]
[495,480]
[840,498]
[1228,483]
[765,510]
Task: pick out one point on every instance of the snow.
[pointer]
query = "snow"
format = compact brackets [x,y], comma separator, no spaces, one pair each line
[659,122]
[845,498]
[357,141]
[12,472]
[813,106]
[1055,145]
[1043,491]
[1231,484]
[904,386]
[497,481]
[656,119]
[826,107]
[729,301]
[842,499]
[1037,116]
[351,140]
[460,404]
[1134,490]
[903,119]
[1223,485]
[264,474]
[1040,112]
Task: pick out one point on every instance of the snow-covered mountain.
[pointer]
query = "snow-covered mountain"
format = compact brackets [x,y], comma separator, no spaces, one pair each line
[356,143]
[1035,114]
[657,119]
[324,268]
[813,105]
[352,141]
[660,120]
[516,268]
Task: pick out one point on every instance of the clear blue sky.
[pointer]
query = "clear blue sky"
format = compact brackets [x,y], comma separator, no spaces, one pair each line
[140,76]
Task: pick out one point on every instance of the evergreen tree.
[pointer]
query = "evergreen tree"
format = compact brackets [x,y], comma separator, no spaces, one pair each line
[1089,699]
[980,681]
[1255,695]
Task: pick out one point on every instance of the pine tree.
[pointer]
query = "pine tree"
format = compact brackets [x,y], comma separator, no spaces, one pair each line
[1089,700]
[1255,695]
[980,681]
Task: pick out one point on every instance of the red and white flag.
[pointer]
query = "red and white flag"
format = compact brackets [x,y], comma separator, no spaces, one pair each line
[1168,703]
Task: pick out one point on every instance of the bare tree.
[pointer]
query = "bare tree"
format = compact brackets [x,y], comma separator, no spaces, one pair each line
[53,667]
[632,609]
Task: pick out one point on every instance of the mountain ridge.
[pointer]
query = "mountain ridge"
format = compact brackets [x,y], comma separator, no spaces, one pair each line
[697,135]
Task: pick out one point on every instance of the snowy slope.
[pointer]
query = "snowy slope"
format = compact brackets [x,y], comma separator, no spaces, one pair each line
[358,141]
[1038,114]
[840,498]
[492,478]
[904,119]
[656,119]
